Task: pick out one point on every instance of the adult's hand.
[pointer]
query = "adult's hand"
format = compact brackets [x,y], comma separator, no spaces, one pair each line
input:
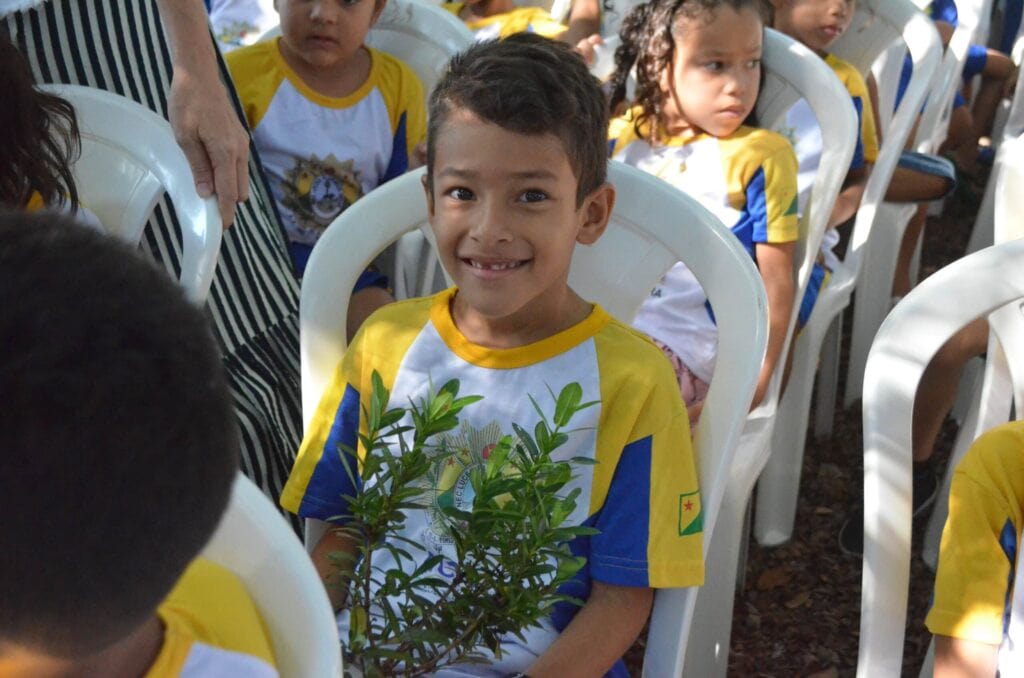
[204,122]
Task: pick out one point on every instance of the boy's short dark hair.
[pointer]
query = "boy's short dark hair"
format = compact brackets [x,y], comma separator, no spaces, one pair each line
[118,444]
[530,85]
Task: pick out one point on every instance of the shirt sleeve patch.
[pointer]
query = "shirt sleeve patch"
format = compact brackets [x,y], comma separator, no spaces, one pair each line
[335,475]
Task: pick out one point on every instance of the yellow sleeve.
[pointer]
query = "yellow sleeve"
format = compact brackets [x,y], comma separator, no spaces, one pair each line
[981,538]
[646,475]
[866,151]
[403,95]
[257,77]
[214,605]
[761,171]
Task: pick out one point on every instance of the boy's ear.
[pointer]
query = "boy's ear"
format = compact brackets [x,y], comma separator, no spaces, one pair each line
[378,7]
[597,210]
[429,195]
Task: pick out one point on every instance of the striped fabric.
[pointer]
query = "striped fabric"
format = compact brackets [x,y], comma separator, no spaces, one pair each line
[119,45]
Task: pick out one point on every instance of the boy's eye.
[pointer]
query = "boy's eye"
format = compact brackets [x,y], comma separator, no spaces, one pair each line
[460,193]
[533,195]
[754,63]
[714,66]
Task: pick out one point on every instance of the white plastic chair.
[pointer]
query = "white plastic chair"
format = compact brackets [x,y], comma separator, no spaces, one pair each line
[792,72]
[422,35]
[917,327]
[256,543]
[874,294]
[1001,383]
[129,160]
[653,226]
[873,30]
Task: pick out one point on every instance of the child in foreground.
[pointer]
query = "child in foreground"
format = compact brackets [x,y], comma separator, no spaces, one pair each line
[977,612]
[118,448]
[698,70]
[332,119]
[515,179]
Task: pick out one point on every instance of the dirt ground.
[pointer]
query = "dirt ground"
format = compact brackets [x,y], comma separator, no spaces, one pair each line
[798,613]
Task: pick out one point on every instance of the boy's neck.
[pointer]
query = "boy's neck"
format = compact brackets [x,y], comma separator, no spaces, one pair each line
[525,327]
[133,655]
[336,82]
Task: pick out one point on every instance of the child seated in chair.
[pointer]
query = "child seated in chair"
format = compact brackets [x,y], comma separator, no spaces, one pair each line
[331,118]
[516,179]
[119,449]
[977,612]
[698,67]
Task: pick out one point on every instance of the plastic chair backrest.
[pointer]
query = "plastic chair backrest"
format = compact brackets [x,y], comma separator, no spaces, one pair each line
[256,543]
[421,34]
[915,329]
[653,226]
[129,159]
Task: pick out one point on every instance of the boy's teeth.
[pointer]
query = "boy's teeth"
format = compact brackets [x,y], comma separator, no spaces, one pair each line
[495,267]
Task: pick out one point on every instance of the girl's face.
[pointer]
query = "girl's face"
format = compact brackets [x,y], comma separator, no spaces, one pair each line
[715,71]
[815,23]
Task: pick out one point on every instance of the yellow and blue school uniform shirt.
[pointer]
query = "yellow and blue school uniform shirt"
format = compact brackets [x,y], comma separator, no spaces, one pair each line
[520,20]
[747,180]
[641,495]
[977,594]
[803,132]
[323,153]
[211,628]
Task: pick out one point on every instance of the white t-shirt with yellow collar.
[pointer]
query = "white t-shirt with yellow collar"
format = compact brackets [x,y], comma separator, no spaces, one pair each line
[323,153]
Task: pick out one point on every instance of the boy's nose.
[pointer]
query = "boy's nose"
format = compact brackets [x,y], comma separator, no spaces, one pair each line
[325,11]
[490,227]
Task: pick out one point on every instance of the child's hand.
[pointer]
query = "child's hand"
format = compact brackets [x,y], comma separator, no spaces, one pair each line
[419,155]
[586,47]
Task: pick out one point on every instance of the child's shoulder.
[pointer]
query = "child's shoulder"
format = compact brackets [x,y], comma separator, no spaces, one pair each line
[755,144]
[630,351]
[260,55]
[847,74]
[392,71]
[996,460]
[400,316]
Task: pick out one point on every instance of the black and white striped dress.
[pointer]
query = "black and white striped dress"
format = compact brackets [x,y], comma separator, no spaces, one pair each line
[119,45]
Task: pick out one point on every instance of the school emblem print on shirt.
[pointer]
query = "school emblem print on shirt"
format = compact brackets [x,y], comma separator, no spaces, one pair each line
[317,191]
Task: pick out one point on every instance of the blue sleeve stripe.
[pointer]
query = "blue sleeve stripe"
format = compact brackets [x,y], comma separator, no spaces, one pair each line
[611,146]
[858,151]
[619,552]
[814,286]
[753,224]
[399,163]
[335,471]
[1008,542]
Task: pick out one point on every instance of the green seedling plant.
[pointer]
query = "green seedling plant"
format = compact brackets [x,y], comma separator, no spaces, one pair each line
[511,544]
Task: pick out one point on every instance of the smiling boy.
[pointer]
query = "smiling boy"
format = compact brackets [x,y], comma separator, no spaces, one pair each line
[515,180]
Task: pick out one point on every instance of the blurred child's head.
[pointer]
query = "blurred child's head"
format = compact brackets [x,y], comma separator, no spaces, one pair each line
[117,437]
[815,23]
[39,134]
[698,63]
[324,36]
[516,168]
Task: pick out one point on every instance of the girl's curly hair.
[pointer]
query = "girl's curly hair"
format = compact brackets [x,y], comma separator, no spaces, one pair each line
[40,137]
[648,42]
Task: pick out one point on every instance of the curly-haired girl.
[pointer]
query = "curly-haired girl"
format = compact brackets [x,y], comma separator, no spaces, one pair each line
[698,73]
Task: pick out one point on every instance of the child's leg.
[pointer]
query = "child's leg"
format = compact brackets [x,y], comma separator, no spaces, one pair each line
[693,389]
[997,73]
[901,277]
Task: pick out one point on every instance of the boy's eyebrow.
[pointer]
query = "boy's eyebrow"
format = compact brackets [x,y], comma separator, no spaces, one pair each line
[470,174]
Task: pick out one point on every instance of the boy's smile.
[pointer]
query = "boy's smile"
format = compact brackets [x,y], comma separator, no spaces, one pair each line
[503,210]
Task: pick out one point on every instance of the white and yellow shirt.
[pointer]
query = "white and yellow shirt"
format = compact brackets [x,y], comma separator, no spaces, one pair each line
[977,595]
[748,180]
[642,494]
[323,153]
[520,20]
[211,628]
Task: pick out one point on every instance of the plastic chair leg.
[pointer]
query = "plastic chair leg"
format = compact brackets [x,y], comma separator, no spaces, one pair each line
[828,380]
[984,223]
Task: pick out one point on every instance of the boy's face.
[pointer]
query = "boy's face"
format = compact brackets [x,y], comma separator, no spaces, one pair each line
[716,71]
[325,35]
[815,23]
[503,210]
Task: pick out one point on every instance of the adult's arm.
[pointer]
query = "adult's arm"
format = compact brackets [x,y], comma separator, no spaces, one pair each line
[204,122]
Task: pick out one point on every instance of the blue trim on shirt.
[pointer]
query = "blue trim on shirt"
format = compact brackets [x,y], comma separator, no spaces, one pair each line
[399,163]
[335,471]
[752,226]
[814,286]
[1008,542]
